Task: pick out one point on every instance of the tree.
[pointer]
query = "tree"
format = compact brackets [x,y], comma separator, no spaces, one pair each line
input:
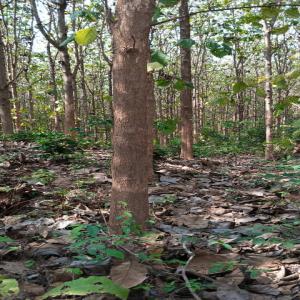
[186,76]
[131,135]
[59,44]
[268,88]
[5,107]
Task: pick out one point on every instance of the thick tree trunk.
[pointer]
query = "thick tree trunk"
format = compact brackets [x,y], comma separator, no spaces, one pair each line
[186,94]
[268,91]
[131,134]
[5,106]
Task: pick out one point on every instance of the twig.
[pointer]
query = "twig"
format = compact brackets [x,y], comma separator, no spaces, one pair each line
[183,272]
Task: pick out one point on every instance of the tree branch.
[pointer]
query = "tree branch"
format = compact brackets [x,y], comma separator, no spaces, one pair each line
[41,27]
[221,9]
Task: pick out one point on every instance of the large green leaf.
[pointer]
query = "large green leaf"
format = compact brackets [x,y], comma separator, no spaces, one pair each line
[260,92]
[154,66]
[269,12]
[86,36]
[181,85]
[219,50]
[163,83]
[168,3]
[186,43]
[280,30]
[294,74]
[8,287]
[86,286]
[292,13]
[239,87]
[279,82]
[159,57]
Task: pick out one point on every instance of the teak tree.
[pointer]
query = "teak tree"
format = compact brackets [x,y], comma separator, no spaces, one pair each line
[130,89]
[186,76]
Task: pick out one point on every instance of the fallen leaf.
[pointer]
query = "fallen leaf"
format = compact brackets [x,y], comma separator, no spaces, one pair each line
[203,262]
[129,274]
[192,221]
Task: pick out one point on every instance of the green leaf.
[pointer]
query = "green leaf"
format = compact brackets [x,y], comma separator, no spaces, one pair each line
[85,286]
[167,126]
[269,12]
[86,36]
[115,253]
[8,287]
[292,13]
[294,74]
[186,43]
[279,82]
[159,57]
[162,83]
[168,3]
[260,92]
[5,239]
[181,85]
[239,87]
[68,40]
[154,66]
[227,246]
[157,14]
[219,50]
[280,30]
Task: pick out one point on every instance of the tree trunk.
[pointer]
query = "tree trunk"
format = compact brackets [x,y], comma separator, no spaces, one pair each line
[131,135]
[186,94]
[268,91]
[67,73]
[5,106]
[54,92]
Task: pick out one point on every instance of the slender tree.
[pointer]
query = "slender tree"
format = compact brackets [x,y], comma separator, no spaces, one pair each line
[130,89]
[268,90]
[64,60]
[186,75]
[5,106]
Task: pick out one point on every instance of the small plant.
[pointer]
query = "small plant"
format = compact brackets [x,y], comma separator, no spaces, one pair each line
[220,244]
[221,267]
[58,145]
[42,176]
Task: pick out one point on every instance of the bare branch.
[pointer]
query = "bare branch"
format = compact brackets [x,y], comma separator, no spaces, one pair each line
[41,27]
[222,9]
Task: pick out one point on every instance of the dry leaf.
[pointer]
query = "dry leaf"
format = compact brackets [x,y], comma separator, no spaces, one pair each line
[205,260]
[129,274]
[192,221]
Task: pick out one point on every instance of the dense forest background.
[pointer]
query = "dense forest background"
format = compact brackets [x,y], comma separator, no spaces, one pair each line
[228,72]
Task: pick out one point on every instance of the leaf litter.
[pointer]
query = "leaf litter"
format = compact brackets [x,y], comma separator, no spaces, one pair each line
[223,229]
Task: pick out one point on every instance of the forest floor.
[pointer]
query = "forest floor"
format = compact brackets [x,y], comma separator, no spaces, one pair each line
[224,228]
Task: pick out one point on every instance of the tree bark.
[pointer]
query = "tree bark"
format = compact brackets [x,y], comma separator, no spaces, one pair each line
[5,106]
[268,91]
[131,136]
[67,73]
[186,94]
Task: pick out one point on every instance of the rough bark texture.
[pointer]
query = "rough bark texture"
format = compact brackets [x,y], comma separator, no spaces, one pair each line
[268,91]
[67,73]
[186,95]
[5,107]
[130,89]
